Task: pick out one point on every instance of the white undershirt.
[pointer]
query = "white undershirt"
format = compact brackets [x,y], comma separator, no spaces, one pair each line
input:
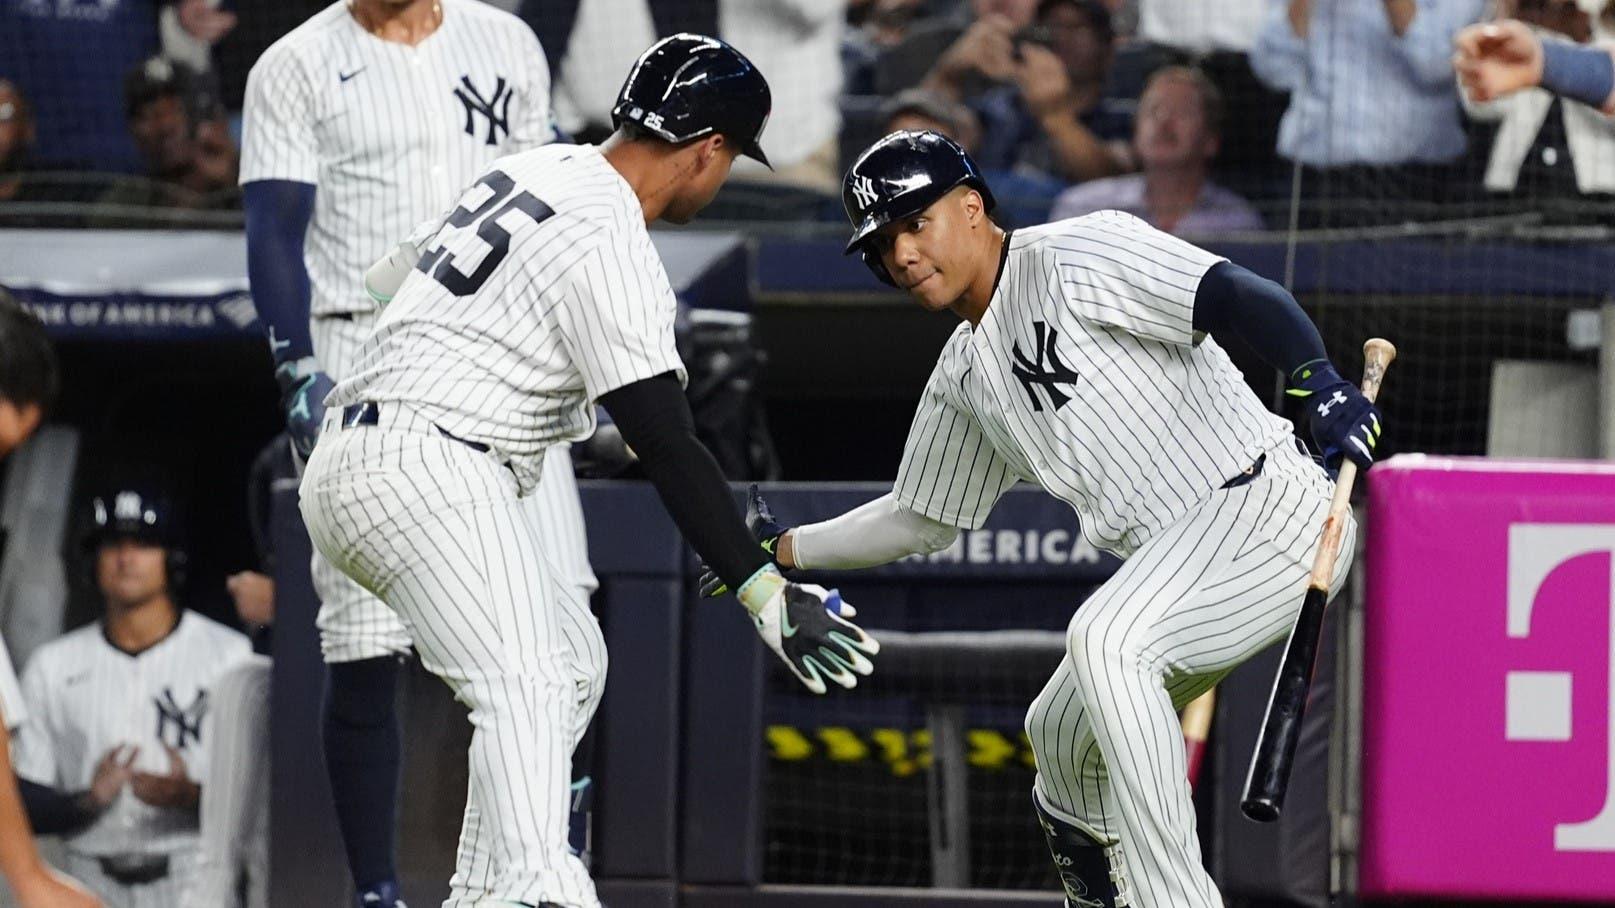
[878,532]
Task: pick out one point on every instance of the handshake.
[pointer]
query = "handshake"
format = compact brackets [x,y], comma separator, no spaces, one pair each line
[804,624]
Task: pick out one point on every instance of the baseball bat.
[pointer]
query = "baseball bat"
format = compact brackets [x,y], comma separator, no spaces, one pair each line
[1196,727]
[1269,777]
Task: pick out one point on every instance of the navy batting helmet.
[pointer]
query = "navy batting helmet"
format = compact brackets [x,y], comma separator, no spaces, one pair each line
[130,514]
[688,86]
[899,176]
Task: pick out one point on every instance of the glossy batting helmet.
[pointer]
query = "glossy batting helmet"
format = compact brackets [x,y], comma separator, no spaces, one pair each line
[688,86]
[902,175]
[130,514]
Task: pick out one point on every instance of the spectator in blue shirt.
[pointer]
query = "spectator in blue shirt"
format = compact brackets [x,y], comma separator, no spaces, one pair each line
[1371,89]
[1049,114]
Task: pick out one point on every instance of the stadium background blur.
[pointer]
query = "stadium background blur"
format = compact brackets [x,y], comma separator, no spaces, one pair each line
[1318,143]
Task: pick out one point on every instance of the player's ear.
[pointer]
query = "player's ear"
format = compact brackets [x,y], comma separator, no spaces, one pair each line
[974,207]
[711,148]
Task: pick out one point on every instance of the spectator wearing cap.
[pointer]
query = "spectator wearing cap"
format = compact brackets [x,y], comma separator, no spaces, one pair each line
[1373,108]
[190,158]
[1023,198]
[1053,115]
[1176,136]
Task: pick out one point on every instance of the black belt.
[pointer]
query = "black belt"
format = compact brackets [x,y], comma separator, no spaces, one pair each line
[1245,477]
[134,869]
[368,413]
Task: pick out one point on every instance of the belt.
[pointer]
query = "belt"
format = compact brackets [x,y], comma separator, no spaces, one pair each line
[368,413]
[134,869]
[1250,473]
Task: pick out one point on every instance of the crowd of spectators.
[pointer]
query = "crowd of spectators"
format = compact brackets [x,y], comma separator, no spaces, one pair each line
[1348,106]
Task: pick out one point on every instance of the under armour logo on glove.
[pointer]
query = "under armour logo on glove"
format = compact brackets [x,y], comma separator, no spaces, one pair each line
[1344,423]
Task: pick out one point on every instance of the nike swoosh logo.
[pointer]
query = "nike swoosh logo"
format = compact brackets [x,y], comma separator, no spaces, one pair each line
[346,76]
[786,628]
[74,679]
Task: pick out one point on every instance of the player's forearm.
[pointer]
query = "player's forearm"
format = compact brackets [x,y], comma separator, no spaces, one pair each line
[874,533]
[1232,299]
[1580,73]
[655,421]
[278,213]
[53,812]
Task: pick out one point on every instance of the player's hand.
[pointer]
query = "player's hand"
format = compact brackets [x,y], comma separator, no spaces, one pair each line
[49,889]
[760,520]
[1344,422]
[806,626]
[1496,58]
[112,772]
[171,789]
[302,396]
[986,47]
[254,595]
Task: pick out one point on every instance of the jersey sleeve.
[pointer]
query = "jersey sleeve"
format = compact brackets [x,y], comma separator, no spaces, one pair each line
[13,708]
[950,471]
[535,119]
[1115,269]
[616,325]
[277,122]
[33,750]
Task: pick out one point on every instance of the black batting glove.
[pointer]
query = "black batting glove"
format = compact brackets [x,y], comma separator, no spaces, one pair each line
[760,520]
[1344,423]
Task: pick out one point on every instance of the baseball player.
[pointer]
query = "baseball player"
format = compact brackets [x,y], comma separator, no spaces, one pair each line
[1085,364]
[1498,58]
[540,295]
[28,385]
[134,685]
[363,122]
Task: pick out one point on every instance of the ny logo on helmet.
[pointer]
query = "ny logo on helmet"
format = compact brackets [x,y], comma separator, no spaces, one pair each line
[863,189]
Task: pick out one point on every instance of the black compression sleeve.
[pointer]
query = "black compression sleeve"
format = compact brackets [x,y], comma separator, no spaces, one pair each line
[53,812]
[1261,313]
[655,421]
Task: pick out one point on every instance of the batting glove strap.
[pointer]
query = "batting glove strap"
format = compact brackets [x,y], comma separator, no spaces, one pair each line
[1344,423]
[760,520]
[804,625]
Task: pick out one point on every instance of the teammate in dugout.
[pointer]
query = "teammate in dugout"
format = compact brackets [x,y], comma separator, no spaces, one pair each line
[539,295]
[1085,362]
[116,708]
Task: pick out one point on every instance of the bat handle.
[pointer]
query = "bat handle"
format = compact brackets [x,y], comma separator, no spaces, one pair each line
[1377,355]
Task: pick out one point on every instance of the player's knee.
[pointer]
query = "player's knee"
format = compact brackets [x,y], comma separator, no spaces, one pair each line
[1098,647]
[362,694]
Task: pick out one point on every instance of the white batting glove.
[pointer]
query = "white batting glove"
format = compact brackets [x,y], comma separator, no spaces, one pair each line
[383,279]
[804,625]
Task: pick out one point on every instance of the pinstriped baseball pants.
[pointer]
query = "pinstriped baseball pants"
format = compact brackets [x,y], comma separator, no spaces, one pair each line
[437,531]
[235,800]
[1190,605]
[163,893]
[354,624]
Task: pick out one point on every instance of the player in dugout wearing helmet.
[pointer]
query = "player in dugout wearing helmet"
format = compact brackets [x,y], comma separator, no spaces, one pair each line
[28,387]
[116,708]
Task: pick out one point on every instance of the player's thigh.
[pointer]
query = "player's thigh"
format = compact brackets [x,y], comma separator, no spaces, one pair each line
[354,623]
[557,507]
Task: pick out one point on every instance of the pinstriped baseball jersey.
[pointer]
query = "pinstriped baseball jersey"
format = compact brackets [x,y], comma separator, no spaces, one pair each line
[540,292]
[13,709]
[389,133]
[88,696]
[1086,376]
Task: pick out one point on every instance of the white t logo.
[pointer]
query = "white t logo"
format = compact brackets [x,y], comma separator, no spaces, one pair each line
[1538,703]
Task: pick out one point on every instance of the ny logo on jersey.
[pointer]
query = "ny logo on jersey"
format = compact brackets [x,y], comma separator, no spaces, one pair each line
[1046,370]
[496,108]
[863,189]
[185,721]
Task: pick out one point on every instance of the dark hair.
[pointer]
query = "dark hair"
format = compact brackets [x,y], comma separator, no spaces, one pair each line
[1098,14]
[1212,105]
[28,373]
[159,77]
